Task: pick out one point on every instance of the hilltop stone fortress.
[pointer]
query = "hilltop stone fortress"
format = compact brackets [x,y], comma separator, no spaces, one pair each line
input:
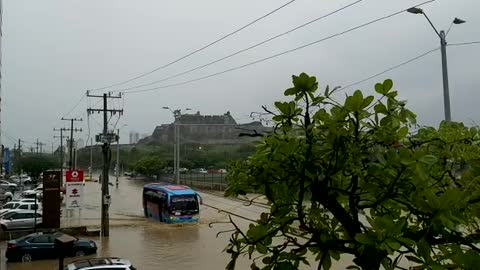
[204,129]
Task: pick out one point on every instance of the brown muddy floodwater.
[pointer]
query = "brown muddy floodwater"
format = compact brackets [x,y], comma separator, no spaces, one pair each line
[151,245]
[148,244]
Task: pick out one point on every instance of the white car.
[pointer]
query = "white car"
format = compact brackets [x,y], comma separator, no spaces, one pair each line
[31,192]
[7,185]
[23,179]
[5,196]
[101,264]
[20,206]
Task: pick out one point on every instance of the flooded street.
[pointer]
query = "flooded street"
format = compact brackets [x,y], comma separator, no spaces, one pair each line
[151,245]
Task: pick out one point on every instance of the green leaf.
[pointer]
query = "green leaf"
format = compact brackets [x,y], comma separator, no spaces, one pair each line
[387,85]
[285,266]
[414,259]
[402,132]
[354,267]
[380,108]
[291,91]
[424,249]
[364,239]
[335,255]
[367,101]
[327,262]
[267,260]
[428,159]
[380,89]
[261,248]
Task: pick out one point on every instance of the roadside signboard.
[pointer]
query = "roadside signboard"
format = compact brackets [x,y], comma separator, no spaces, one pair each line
[74,196]
[74,189]
[74,176]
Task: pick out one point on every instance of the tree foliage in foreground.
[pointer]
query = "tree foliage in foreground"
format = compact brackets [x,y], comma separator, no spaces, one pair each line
[351,178]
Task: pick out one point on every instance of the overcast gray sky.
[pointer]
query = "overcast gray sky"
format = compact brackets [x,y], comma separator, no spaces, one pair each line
[55,50]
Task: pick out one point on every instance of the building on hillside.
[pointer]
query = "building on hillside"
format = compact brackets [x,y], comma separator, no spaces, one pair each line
[204,129]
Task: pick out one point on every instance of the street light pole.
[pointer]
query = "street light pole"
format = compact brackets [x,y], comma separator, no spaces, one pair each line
[443,49]
[176,143]
[446,90]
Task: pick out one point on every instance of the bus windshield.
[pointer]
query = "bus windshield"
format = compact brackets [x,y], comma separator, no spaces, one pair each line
[184,203]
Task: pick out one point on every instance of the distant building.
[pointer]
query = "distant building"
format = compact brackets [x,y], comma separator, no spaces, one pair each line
[205,129]
[134,137]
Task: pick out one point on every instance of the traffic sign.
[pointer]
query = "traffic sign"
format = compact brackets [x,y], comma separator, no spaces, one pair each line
[74,176]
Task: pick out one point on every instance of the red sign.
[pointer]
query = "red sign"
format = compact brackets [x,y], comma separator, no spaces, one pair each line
[74,176]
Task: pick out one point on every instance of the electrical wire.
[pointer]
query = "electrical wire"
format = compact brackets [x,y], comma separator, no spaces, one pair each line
[76,105]
[464,43]
[246,49]
[278,54]
[390,69]
[200,49]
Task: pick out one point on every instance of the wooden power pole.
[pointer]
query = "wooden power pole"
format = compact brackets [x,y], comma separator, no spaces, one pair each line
[106,138]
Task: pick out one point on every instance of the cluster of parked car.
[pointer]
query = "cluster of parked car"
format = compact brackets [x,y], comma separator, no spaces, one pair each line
[41,245]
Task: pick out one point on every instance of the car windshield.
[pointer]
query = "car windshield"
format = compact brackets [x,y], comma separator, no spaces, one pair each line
[8,206]
[8,215]
[184,203]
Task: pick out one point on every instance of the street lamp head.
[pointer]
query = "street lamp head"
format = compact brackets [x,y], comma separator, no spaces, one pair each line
[458,21]
[166,108]
[415,10]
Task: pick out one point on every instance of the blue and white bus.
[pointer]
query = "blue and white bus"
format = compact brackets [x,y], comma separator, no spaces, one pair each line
[171,203]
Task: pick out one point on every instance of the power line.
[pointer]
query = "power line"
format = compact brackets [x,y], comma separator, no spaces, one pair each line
[246,49]
[200,49]
[278,54]
[390,69]
[464,43]
[76,105]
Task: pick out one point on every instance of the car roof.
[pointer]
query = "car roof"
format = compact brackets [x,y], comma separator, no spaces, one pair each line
[24,211]
[94,262]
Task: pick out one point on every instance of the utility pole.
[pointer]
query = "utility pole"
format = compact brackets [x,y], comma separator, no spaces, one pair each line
[117,171]
[91,159]
[70,151]
[61,151]
[39,145]
[106,138]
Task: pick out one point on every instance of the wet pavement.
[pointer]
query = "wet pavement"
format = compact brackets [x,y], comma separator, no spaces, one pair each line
[151,245]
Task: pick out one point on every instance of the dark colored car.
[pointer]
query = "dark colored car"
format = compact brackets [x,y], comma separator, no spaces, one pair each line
[41,246]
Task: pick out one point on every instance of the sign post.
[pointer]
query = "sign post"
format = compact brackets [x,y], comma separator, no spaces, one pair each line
[74,189]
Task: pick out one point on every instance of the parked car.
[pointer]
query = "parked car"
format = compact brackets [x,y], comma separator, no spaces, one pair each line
[7,185]
[32,192]
[42,246]
[101,263]
[5,196]
[22,179]
[20,219]
[21,206]
[200,170]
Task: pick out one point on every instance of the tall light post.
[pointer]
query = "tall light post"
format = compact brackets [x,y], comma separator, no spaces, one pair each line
[117,168]
[176,142]
[443,48]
